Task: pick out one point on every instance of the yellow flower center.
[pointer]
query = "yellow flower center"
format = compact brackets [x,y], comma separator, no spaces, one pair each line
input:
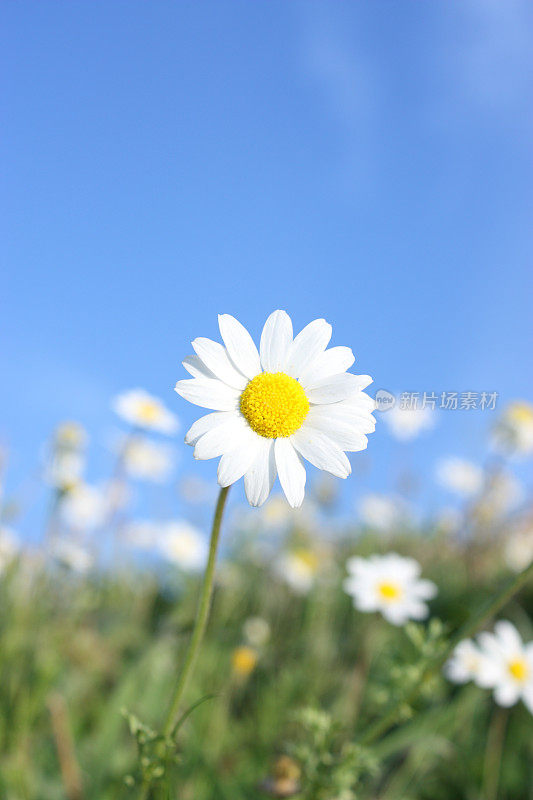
[274,404]
[389,591]
[521,413]
[148,411]
[307,558]
[244,660]
[519,669]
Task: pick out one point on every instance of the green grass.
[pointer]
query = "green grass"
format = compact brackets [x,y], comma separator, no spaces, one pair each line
[74,653]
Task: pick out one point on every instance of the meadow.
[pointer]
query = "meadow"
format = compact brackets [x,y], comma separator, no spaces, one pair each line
[291,678]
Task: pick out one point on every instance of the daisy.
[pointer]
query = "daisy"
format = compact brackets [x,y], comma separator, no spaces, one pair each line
[183,545]
[256,631]
[9,547]
[513,434]
[298,569]
[147,460]
[391,585]
[460,476]
[382,512]
[72,555]
[407,423]
[469,663]
[143,410]
[512,662]
[291,400]
[518,547]
[84,507]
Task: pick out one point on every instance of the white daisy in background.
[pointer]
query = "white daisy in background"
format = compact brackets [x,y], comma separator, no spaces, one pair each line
[382,512]
[147,460]
[391,585]
[72,555]
[512,664]
[65,469]
[518,546]
[503,492]
[291,400]
[70,436]
[9,547]
[469,663]
[84,507]
[143,534]
[513,433]
[298,569]
[460,476]
[407,423]
[256,631]
[143,410]
[184,545]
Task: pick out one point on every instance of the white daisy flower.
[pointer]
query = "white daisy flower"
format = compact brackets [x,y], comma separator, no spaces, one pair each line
[291,400]
[382,512]
[9,547]
[512,662]
[84,507]
[460,476]
[518,547]
[183,545]
[256,631]
[143,410]
[391,585]
[513,434]
[469,663]
[72,555]
[298,569]
[147,460]
[407,423]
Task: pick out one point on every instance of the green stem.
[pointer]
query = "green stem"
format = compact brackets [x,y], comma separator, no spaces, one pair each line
[494,753]
[199,626]
[201,617]
[471,626]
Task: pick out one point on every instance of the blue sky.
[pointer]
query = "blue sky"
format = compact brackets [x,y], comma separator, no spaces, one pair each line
[367,162]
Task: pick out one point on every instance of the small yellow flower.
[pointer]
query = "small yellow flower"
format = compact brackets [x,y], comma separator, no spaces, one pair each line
[285,778]
[244,660]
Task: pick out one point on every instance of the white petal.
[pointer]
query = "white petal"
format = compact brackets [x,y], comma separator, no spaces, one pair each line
[236,462]
[276,339]
[215,357]
[321,451]
[506,694]
[509,636]
[240,345]
[424,590]
[345,434]
[307,346]
[334,388]
[207,423]
[330,362]
[361,421]
[291,472]
[209,393]
[361,402]
[196,367]
[527,697]
[220,439]
[259,479]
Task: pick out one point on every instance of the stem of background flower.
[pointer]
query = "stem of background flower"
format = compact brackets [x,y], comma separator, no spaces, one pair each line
[494,753]
[471,626]
[202,616]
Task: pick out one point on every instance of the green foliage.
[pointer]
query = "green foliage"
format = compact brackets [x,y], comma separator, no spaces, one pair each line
[116,641]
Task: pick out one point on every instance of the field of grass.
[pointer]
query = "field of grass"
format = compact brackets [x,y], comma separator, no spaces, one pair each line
[86,659]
